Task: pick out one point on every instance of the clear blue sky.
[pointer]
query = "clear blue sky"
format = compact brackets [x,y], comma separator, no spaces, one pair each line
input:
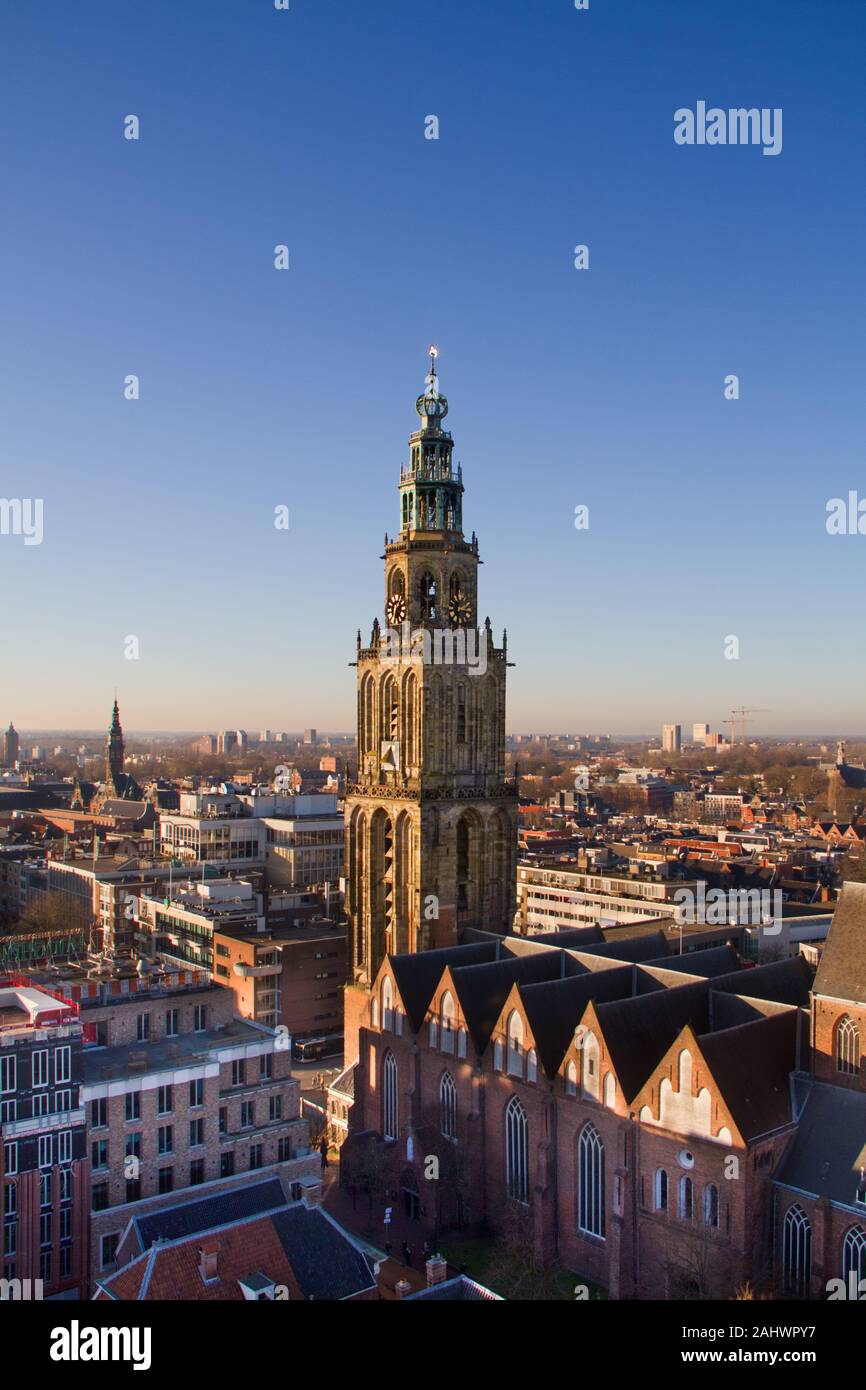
[260,388]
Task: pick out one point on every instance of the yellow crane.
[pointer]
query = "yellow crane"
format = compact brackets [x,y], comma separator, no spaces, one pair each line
[742,714]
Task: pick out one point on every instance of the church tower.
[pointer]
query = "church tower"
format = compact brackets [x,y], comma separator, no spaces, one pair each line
[431,822]
[114,749]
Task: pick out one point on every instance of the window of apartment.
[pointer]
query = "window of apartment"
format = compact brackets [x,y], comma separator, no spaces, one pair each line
[257,1156]
[171,1023]
[40,1068]
[99,1113]
[46,1151]
[133,1190]
[10,1238]
[66,1223]
[247,1114]
[64,1146]
[99,1196]
[99,1153]
[62,1101]
[45,1190]
[196,1172]
[133,1105]
[45,1266]
[266,1067]
[166,1180]
[108,1249]
[8,1111]
[284,1149]
[196,1132]
[62,1064]
[45,1229]
[142,1027]
[164,1100]
[8,1075]
[66,1184]
[196,1092]
[227,1165]
[133,1144]
[10,1202]
[199,1018]
[65,1261]
[223,1120]
[239,1071]
[40,1103]
[275,1108]
[165,1139]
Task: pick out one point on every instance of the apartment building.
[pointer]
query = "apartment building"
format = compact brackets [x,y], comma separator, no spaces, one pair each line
[180,1093]
[284,974]
[551,898]
[43,1164]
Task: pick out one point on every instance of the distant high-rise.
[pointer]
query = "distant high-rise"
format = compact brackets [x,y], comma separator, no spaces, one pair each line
[672,738]
[11,745]
[309,736]
[699,733]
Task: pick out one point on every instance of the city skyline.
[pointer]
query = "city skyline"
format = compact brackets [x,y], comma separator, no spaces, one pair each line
[601,388]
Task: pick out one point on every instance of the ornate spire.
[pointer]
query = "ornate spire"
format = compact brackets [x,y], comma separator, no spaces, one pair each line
[431,405]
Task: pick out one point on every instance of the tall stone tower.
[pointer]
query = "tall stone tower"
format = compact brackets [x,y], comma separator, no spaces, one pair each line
[114,749]
[431,822]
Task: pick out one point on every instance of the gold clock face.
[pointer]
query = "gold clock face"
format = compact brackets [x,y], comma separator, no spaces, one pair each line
[395,610]
[459,610]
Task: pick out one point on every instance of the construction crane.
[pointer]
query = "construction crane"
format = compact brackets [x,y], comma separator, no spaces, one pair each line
[742,714]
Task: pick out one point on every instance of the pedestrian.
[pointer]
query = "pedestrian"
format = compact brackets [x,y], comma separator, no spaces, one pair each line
[407,1253]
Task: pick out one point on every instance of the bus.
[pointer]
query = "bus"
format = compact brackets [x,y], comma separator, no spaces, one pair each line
[316,1049]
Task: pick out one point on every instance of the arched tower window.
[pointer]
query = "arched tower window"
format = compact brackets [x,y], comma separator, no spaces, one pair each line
[390,731]
[428,597]
[590,1182]
[516,1151]
[389,1096]
[847,1046]
[796,1251]
[448,1106]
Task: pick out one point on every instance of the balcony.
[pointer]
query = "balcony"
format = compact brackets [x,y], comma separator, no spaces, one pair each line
[43,1124]
[257,972]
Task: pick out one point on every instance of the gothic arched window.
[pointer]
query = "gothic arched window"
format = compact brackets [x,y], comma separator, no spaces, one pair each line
[590,1182]
[711,1205]
[847,1047]
[854,1255]
[387,1003]
[389,1096]
[796,1251]
[515,1044]
[687,1195]
[516,1151]
[661,1190]
[448,1106]
[447,1016]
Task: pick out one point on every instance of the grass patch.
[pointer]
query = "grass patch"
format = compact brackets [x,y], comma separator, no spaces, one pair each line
[490,1262]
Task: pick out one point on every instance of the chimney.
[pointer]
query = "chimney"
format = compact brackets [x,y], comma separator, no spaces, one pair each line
[437,1270]
[402,1288]
[209,1256]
